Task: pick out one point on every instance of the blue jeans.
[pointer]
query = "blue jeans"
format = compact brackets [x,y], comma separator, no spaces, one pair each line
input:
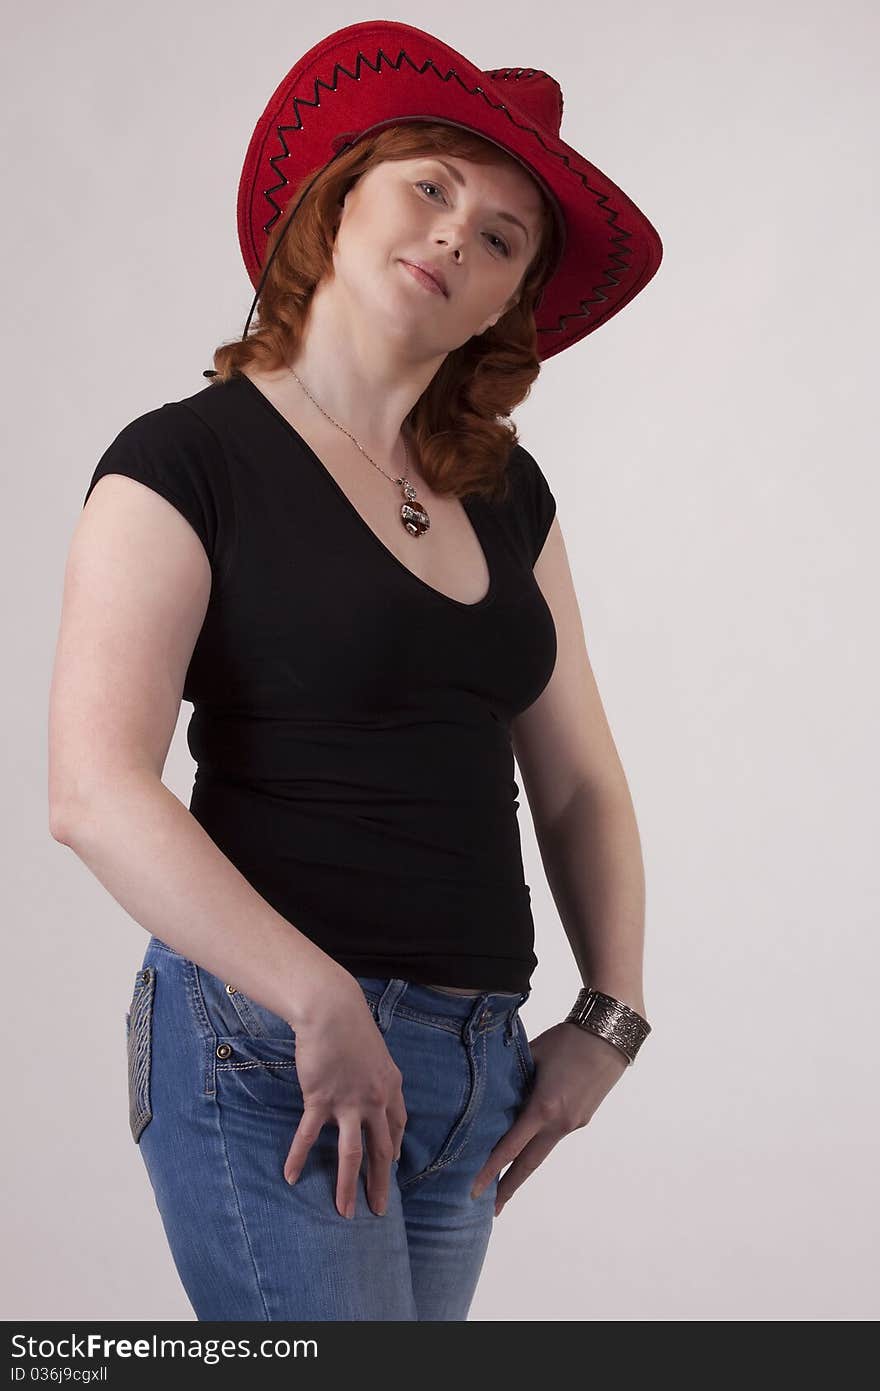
[214,1104]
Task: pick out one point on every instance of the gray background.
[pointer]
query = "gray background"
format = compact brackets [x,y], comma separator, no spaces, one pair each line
[713,452]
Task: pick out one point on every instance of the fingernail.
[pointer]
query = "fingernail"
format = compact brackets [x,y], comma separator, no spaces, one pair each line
[291,1180]
[349,1212]
[380,1211]
[475,1192]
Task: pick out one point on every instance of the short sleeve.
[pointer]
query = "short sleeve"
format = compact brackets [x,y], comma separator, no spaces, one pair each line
[176,453]
[534,503]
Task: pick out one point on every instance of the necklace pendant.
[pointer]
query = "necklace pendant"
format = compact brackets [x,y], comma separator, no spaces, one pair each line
[412,513]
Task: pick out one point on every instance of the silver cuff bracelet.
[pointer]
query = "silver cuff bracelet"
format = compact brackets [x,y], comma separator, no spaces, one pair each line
[611,1019]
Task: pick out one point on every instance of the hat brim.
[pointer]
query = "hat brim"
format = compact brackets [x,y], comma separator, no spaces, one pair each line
[380,73]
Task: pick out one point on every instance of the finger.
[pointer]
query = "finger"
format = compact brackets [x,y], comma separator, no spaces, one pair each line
[351,1157]
[380,1152]
[307,1133]
[506,1150]
[397,1119]
[525,1164]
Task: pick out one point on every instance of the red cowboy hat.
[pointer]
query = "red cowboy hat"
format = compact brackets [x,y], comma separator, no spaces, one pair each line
[380,73]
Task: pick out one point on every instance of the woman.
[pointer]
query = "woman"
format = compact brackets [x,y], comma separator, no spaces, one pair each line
[361,585]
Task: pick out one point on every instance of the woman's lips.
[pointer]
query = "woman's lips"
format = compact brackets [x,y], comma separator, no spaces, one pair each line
[423,278]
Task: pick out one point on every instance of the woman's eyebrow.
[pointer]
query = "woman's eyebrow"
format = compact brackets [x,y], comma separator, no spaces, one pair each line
[460,179]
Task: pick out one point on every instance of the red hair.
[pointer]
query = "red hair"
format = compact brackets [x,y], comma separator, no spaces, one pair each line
[460,423]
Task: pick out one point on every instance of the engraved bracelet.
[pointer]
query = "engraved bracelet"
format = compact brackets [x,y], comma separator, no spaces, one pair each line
[611,1019]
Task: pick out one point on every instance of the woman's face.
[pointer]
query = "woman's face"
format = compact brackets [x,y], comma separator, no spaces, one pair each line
[478,224]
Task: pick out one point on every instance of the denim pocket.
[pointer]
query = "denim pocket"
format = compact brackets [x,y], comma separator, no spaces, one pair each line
[524,1052]
[139,1046]
[232,1014]
[257,1020]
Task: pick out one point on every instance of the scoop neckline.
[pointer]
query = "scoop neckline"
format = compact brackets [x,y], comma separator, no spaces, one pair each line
[466,502]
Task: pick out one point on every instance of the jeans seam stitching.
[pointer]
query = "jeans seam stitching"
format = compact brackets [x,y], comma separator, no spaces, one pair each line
[203,1024]
[478,1082]
[258,1062]
[238,1208]
[521,1057]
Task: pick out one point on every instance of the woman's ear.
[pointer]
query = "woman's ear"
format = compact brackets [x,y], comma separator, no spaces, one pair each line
[501,312]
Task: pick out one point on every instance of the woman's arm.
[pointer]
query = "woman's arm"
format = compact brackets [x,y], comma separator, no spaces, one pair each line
[580,802]
[136,591]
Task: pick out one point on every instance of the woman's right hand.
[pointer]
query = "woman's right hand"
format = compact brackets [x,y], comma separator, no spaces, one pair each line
[347,1076]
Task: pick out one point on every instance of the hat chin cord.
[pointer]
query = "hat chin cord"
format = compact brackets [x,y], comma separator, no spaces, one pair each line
[211,372]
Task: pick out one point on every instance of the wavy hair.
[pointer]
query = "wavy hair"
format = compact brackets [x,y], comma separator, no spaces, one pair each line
[460,424]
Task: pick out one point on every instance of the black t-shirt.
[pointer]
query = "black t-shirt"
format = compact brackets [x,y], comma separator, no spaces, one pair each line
[351,724]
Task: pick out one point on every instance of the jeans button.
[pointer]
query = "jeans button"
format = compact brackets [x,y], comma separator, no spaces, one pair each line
[223,1050]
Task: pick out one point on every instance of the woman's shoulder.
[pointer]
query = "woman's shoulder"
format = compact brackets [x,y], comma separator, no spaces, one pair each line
[175,449]
[529,505]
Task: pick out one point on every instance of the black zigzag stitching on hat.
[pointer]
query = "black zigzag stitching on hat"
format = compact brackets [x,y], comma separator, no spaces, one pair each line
[617,257]
[514,74]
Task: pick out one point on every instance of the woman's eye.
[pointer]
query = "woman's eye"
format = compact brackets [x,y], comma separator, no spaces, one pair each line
[502,241]
[426,183]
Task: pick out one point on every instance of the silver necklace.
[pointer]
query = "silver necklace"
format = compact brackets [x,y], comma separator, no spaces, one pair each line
[412,514]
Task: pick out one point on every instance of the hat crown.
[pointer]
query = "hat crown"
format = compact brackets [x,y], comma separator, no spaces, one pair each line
[534,92]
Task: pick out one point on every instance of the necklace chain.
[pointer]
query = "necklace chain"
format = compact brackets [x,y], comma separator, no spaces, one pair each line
[352,437]
[413,515]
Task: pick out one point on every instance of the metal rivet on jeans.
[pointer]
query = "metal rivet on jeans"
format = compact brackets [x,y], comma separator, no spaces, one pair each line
[231,989]
[223,1050]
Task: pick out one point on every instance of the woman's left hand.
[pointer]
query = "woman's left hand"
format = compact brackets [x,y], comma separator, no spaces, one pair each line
[574,1072]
